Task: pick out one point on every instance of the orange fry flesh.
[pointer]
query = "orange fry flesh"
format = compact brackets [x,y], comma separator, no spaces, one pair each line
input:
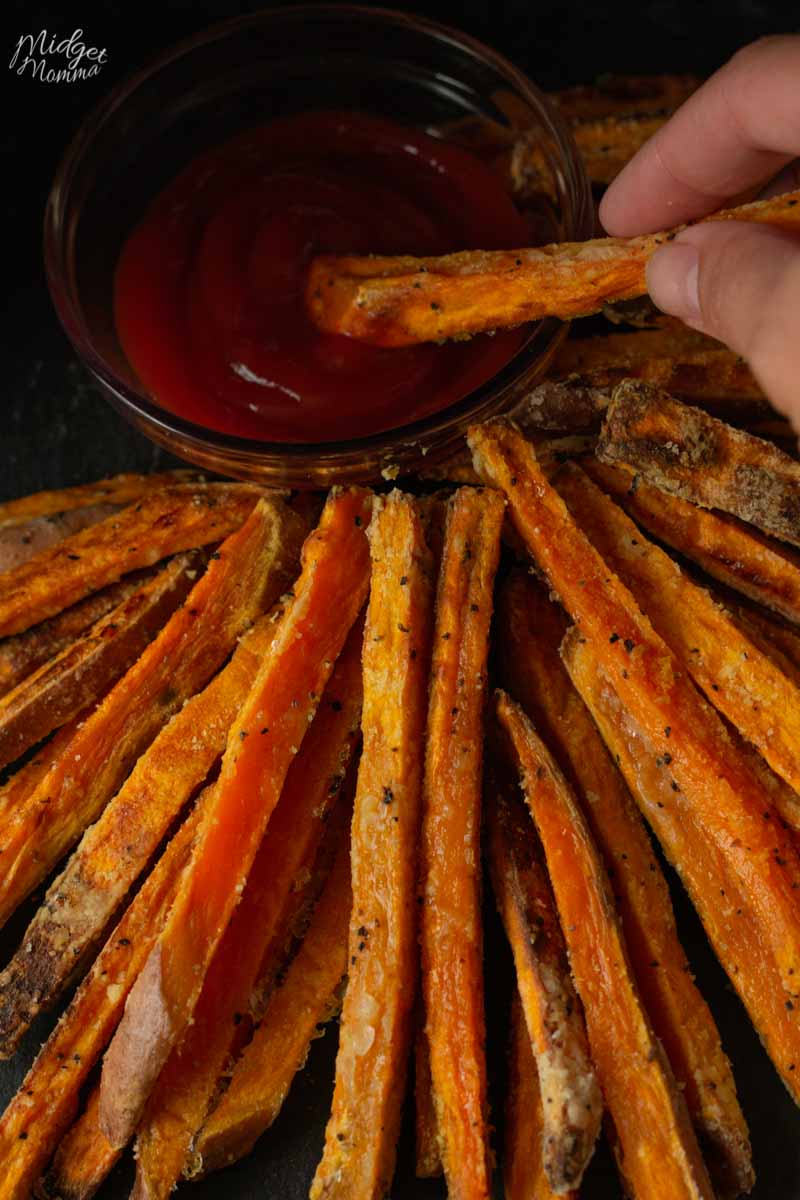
[657,1152]
[451,936]
[84,1158]
[261,744]
[375,1027]
[531,629]
[707,770]
[401,301]
[259,927]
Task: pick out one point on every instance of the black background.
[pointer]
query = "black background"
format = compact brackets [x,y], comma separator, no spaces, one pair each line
[54,430]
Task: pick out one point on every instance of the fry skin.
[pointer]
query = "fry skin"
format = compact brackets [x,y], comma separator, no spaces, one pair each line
[730,551]
[451,933]
[375,1027]
[258,933]
[657,1153]
[261,744]
[742,682]
[248,571]
[84,1158]
[307,997]
[570,1121]
[688,453]
[531,629]
[181,517]
[401,301]
[710,773]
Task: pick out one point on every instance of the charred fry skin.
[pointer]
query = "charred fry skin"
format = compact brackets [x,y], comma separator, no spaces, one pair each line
[177,518]
[657,1153]
[81,674]
[570,1122]
[724,907]
[706,768]
[250,569]
[451,921]
[728,550]
[402,301]
[45,1104]
[261,744]
[307,997]
[376,1023]
[257,935]
[742,682]
[685,452]
[531,628]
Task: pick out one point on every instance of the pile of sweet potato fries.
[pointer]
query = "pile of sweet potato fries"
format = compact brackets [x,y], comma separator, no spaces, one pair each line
[259,752]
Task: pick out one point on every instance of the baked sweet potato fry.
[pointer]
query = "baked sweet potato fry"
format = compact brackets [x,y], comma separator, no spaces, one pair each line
[531,629]
[707,767]
[606,144]
[83,672]
[116,849]
[727,549]
[118,490]
[250,569]
[742,682]
[625,95]
[43,1108]
[573,1110]
[21,540]
[257,933]
[656,1149]
[400,301]
[524,1175]
[24,653]
[451,933]
[263,1075]
[375,1027]
[83,1159]
[261,745]
[729,917]
[684,451]
[181,517]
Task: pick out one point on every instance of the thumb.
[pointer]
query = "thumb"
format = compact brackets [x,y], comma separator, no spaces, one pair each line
[739,283]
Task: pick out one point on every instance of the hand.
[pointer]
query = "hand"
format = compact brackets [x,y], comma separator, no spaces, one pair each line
[740,283]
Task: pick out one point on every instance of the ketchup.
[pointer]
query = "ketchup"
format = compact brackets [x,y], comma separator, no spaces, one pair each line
[209,288]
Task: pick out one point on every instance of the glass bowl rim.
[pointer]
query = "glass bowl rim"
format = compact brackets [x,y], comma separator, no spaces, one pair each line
[67,303]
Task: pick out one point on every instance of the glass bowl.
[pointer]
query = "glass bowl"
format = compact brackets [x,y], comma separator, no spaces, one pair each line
[237,75]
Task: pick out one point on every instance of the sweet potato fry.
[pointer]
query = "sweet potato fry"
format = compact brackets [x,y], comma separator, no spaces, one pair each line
[688,453]
[742,682]
[21,540]
[656,1149]
[685,363]
[709,772]
[258,931]
[81,674]
[574,1108]
[451,934]
[251,569]
[261,745]
[531,629]
[263,1075]
[118,490]
[116,849]
[45,1104]
[24,653]
[375,1027]
[728,550]
[723,904]
[181,517]
[605,145]
[524,1176]
[624,95]
[83,1159]
[401,301]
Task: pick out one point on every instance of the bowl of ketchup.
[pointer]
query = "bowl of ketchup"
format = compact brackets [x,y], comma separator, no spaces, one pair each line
[185,214]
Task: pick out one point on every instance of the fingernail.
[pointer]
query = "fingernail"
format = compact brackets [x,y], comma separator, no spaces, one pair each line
[673,281]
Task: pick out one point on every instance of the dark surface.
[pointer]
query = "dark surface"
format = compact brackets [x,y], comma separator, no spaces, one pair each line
[54,431]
